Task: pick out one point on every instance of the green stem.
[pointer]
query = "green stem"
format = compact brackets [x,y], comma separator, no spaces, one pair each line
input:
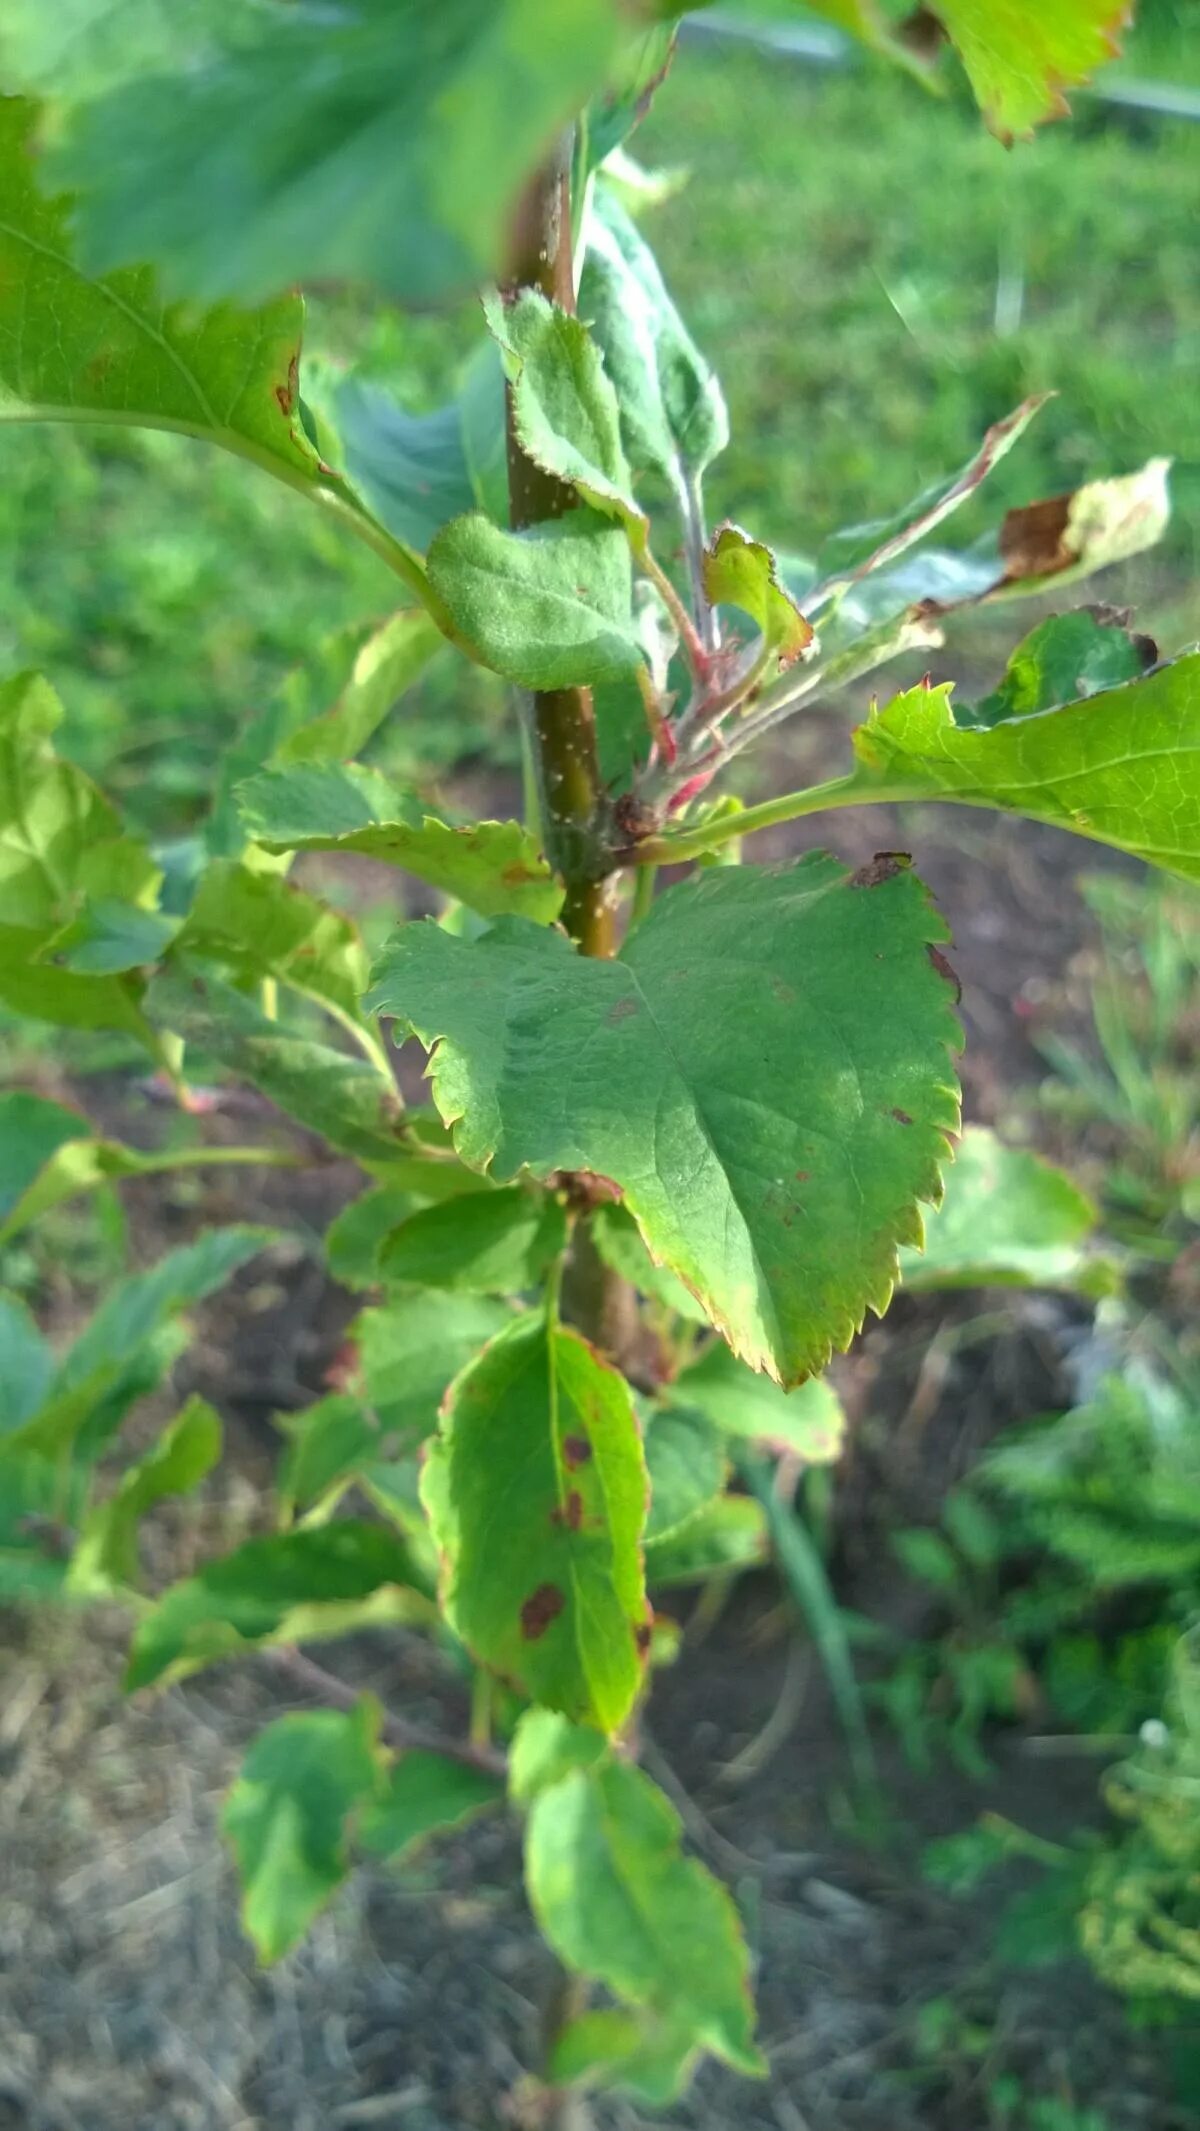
[818,799]
[643,894]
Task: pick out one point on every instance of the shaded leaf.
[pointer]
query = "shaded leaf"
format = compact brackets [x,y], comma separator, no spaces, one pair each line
[412,1346]
[416,471]
[1065,657]
[488,1243]
[288,1815]
[385,668]
[1122,767]
[807,1421]
[617,1900]
[492,866]
[345,1099]
[327,1446]
[686,1467]
[352,1240]
[673,416]
[547,608]
[26,1364]
[424,1794]
[618,1240]
[639,2053]
[106,1554]
[536,1490]
[110,937]
[260,925]
[736,1070]
[291,1587]
[386,144]
[1008,1219]
[729,1534]
[740,572]
[31,1132]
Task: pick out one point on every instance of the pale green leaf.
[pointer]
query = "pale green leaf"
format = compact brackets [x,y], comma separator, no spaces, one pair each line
[487,1243]
[536,1490]
[686,1466]
[730,1534]
[547,608]
[546,1747]
[424,1794]
[260,925]
[291,1587]
[385,668]
[1021,56]
[345,1099]
[492,866]
[738,1070]
[618,1901]
[80,1165]
[637,2052]
[673,417]
[563,404]
[1008,1219]
[808,1421]
[388,144]
[412,1346]
[288,1816]
[352,1240]
[106,1554]
[740,572]
[1122,767]
[328,1445]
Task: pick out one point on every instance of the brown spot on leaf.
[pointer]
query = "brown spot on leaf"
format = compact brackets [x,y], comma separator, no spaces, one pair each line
[576,1450]
[1031,538]
[783,992]
[621,1011]
[643,1634]
[286,394]
[570,1515]
[945,969]
[902,1117]
[516,875]
[802,1176]
[883,867]
[540,1608]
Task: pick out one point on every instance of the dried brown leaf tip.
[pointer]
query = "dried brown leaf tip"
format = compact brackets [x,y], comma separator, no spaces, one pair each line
[883,867]
[945,969]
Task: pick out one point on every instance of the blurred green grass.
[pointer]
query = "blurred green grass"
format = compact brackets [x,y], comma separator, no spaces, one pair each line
[876,279]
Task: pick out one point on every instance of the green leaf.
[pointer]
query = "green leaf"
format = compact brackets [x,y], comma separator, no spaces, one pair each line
[686,1466]
[617,1900]
[292,1587]
[26,1364]
[618,1241]
[425,1794]
[1066,657]
[1020,58]
[1122,767]
[80,1165]
[106,1556]
[545,1748]
[640,2054]
[489,1243]
[31,1132]
[347,1100]
[807,1421]
[328,1445]
[737,1070]
[740,572]
[547,608]
[385,667]
[387,144]
[410,1349]
[352,1241]
[492,866]
[110,937]
[536,1490]
[1008,1219]
[288,1815]
[74,349]
[728,1535]
[259,925]
[563,404]
[673,417]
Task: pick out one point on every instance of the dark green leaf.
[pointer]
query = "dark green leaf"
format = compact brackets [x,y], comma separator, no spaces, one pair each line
[352,1240]
[424,1794]
[615,1896]
[563,403]
[328,1444]
[109,937]
[492,866]
[489,1243]
[288,1817]
[26,1364]
[1008,1219]
[416,471]
[549,608]
[347,1100]
[387,143]
[745,1070]
[536,1490]
[292,1587]
[1064,658]
[807,1421]
[31,1132]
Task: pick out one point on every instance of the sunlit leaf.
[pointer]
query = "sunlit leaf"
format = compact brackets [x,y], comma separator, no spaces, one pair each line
[746,1070]
[261,925]
[547,608]
[740,572]
[563,403]
[536,1490]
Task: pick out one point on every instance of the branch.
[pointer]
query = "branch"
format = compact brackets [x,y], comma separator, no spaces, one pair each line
[338,1694]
